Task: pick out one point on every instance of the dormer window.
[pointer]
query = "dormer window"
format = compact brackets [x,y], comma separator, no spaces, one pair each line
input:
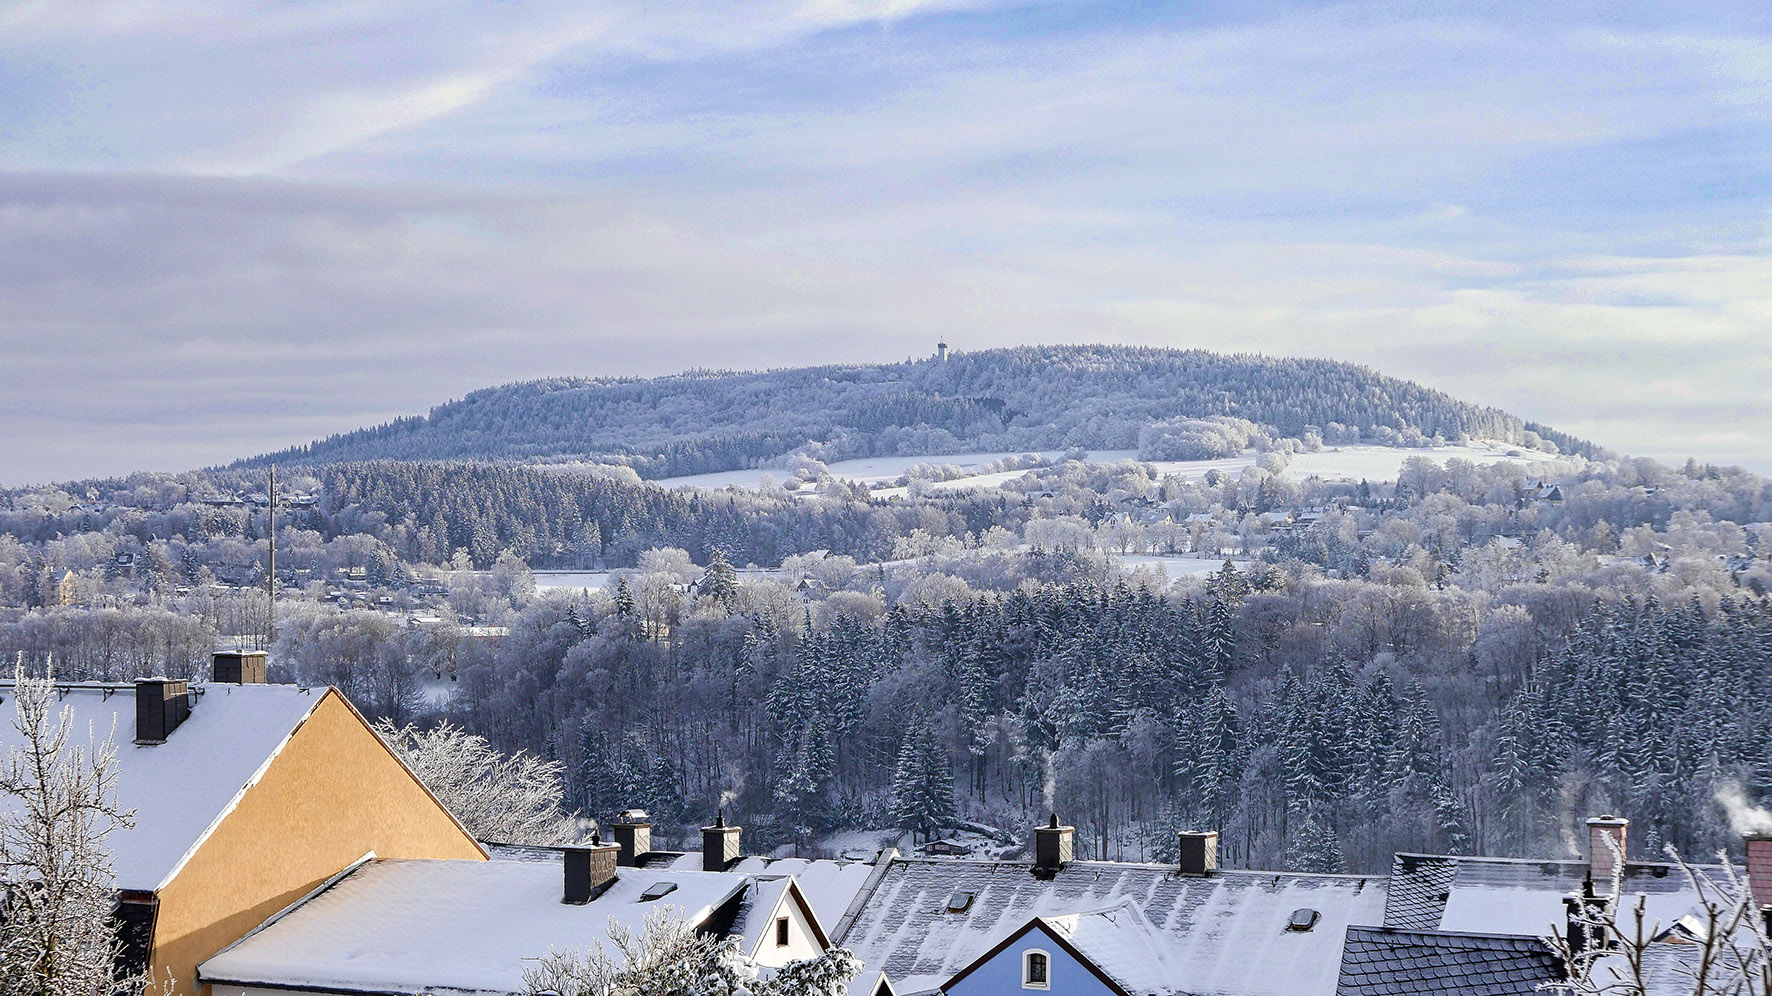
[1036,970]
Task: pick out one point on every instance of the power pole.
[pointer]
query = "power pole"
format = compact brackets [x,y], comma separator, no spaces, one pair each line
[271,582]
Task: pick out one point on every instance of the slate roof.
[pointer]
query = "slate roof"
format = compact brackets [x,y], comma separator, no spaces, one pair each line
[1518,895]
[1224,934]
[1384,961]
[1120,942]
[1419,887]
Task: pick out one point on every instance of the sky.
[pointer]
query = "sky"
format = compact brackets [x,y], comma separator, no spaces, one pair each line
[229,227]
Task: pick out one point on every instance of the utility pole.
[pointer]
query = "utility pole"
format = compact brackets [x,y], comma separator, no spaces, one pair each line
[271,582]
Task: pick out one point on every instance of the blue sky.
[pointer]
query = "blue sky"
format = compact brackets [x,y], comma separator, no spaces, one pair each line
[227,227]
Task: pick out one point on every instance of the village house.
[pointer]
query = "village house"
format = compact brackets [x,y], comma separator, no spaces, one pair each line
[472,927]
[247,796]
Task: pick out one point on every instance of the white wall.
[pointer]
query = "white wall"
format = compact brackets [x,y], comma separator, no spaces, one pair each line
[802,943]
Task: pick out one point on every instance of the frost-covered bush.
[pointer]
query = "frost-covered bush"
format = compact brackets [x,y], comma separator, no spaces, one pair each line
[1198,438]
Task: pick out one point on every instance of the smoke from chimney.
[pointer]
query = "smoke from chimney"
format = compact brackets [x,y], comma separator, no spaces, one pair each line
[1744,816]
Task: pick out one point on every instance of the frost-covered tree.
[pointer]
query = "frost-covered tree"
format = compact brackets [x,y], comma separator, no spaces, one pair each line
[922,782]
[668,956]
[509,798]
[57,935]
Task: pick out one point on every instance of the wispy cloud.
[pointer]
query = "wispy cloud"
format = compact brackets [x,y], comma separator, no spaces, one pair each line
[356,211]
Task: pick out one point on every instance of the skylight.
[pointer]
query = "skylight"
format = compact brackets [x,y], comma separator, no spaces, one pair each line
[960,902]
[1303,919]
[657,890]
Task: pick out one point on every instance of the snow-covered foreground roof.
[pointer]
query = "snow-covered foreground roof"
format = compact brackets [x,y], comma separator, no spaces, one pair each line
[467,926]
[828,886]
[1521,895]
[1221,934]
[183,787]
[1122,943]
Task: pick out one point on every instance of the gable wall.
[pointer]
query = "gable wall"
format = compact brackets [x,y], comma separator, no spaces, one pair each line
[332,795]
[801,941]
[1001,976]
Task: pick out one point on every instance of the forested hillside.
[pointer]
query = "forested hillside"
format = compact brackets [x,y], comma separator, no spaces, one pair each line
[1038,398]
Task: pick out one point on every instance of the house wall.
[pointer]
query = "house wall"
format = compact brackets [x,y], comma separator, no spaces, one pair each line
[801,941]
[1001,976]
[333,794]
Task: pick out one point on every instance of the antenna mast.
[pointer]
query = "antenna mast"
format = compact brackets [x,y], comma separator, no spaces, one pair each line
[271,582]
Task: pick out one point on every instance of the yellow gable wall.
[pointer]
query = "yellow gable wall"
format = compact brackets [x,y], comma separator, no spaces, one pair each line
[333,794]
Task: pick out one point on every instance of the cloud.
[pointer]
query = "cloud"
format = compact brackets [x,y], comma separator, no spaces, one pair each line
[228,230]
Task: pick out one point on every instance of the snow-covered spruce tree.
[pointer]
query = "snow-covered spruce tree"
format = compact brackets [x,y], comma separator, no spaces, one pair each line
[57,935]
[667,956]
[922,782]
[508,798]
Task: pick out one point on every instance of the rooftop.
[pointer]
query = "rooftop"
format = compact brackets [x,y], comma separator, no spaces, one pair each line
[181,788]
[1224,934]
[464,926]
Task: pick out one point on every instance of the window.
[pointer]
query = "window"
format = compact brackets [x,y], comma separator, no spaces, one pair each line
[1303,919]
[1036,970]
[960,902]
[657,890]
[781,931]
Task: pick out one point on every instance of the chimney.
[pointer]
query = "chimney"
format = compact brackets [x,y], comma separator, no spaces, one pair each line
[1584,915]
[1199,852]
[239,667]
[633,834]
[590,869]
[941,352]
[1759,870]
[160,705]
[1052,847]
[1599,853]
[719,845]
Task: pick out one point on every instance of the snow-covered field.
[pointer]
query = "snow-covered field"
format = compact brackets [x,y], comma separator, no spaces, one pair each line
[1179,567]
[871,470]
[1374,463]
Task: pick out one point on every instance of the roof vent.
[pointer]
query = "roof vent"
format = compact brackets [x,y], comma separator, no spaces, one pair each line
[657,890]
[960,902]
[1303,919]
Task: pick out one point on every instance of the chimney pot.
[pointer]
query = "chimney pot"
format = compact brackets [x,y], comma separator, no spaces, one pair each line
[161,704]
[1199,852]
[633,834]
[719,845]
[1053,847]
[239,667]
[1759,866]
[590,870]
[1599,854]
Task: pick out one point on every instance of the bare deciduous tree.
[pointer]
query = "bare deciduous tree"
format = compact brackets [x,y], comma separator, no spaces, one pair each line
[57,806]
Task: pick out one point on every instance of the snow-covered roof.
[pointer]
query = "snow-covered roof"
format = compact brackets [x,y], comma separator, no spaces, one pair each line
[181,788]
[462,926]
[1521,895]
[1119,941]
[829,886]
[1220,934]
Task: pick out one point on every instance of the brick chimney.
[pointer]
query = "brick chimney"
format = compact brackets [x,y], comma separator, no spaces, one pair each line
[239,667]
[1199,852]
[590,869]
[719,845]
[1599,853]
[633,834]
[160,705]
[1759,870]
[1053,845]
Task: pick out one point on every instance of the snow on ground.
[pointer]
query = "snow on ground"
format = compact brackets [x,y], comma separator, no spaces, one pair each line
[1179,567]
[870,470]
[1352,463]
